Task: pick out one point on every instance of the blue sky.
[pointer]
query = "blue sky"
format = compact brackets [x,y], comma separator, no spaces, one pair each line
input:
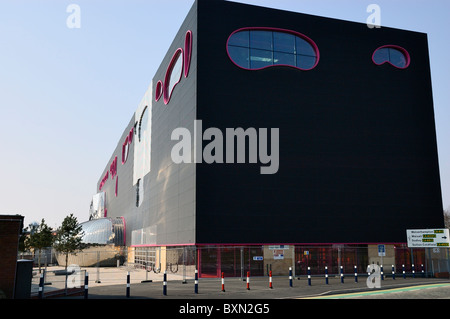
[66,95]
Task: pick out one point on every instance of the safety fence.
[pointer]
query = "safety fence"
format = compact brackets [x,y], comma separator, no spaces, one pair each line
[56,283]
[78,281]
[57,280]
[259,260]
[145,264]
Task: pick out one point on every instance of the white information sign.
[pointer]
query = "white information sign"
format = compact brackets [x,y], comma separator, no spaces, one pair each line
[272,247]
[381,250]
[428,238]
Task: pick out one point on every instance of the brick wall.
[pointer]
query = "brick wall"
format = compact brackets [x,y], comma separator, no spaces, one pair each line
[10,230]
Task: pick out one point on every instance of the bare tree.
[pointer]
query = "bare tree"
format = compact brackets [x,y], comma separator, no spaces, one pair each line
[447,218]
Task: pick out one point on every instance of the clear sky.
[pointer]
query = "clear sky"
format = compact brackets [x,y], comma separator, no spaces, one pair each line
[67,94]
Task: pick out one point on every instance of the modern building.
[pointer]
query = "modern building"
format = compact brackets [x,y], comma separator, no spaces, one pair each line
[270,139]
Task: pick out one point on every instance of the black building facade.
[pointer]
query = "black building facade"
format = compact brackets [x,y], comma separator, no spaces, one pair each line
[338,138]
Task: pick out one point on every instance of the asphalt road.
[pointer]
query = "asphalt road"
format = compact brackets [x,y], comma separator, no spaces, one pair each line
[235,288]
[405,297]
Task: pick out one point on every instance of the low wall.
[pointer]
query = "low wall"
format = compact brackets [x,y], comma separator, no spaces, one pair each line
[104,256]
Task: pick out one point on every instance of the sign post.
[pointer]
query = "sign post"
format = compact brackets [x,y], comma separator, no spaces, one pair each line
[428,238]
[381,250]
[381,253]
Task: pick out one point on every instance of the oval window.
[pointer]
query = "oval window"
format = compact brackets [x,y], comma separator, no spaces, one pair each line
[173,74]
[187,52]
[158,90]
[259,48]
[392,54]
[143,123]
[125,150]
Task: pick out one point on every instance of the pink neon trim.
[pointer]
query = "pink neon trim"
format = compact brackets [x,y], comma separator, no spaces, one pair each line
[174,59]
[295,33]
[399,48]
[158,90]
[187,52]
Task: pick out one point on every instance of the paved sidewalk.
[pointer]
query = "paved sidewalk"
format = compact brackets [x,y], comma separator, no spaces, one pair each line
[235,288]
[181,301]
[98,277]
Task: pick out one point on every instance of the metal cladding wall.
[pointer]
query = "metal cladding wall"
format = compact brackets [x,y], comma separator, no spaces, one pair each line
[121,180]
[165,211]
[358,155]
[168,210]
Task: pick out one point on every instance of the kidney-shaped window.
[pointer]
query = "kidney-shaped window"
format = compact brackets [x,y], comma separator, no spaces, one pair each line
[158,90]
[259,48]
[392,54]
[173,74]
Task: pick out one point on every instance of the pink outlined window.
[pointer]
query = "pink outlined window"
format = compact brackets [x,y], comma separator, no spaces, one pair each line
[104,179]
[126,146]
[393,55]
[256,48]
[113,168]
[179,64]
[130,135]
[125,150]
[158,90]
[117,186]
[187,52]
[142,128]
[173,74]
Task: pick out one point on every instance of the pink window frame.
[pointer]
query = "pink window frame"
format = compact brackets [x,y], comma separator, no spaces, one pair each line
[126,144]
[113,168]
[399,48]
[187,52]
[294,33]
[158,90]
[130,135]
[162,88]
[177,55]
